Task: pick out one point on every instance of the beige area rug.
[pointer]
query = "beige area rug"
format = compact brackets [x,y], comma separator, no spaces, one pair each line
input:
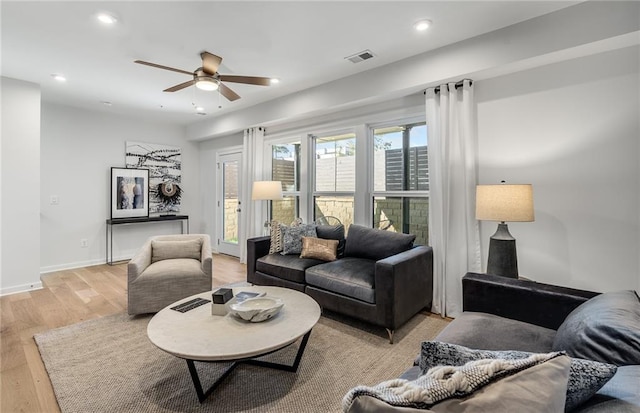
[109,365]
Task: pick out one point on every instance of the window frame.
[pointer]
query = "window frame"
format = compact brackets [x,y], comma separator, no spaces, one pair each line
[404,195]
[313,193]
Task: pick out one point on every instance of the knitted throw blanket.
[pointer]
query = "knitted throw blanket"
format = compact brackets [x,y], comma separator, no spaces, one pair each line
[444,382]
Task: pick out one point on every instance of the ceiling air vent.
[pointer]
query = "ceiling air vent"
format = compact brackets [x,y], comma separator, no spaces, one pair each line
[359,57]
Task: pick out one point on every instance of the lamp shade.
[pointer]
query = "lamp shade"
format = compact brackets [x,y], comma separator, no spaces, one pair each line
[266,190]
[512,203]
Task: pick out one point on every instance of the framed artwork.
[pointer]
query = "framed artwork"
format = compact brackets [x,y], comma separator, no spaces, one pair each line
[129,192]
[164,163]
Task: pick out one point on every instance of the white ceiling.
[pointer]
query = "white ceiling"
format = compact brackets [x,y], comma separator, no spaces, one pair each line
[303,43]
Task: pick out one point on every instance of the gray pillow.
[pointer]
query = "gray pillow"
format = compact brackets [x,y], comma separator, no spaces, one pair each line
[586,377]
[605,328]
[167,250]
[375,244]
[292,237]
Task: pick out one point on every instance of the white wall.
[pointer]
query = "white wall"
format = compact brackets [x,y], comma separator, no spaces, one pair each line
[20,176]
[572,130]
[78,149]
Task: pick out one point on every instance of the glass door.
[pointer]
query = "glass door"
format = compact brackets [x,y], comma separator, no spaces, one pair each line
[229,203]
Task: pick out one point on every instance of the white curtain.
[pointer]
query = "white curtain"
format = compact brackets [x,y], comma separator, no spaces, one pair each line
[453,229]
[251,219]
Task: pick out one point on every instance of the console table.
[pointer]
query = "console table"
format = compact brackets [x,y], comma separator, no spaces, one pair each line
[139,220]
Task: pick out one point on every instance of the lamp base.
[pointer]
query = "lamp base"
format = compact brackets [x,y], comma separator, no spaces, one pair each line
[502,253]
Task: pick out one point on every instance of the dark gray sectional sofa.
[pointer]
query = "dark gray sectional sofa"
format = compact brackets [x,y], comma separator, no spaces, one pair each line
[504,314]
[379,277]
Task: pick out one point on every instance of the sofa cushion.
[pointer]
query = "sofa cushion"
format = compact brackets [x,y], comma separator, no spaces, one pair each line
[605,328]
[375,244]
[288,267]
[532,385]
[292,237]
[484,331]
[586,377]
[168,250]
[320,249]
[177,271]
[333,232]
[351,277]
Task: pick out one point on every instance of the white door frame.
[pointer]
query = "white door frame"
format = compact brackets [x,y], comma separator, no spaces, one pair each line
[223,247]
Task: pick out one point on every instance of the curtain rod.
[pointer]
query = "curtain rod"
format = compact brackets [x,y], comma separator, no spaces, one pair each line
[458,84]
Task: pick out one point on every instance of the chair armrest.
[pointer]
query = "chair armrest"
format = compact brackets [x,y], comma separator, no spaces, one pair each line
[404,284]
[256,248]
[541,304]
[206,256]
[139,262]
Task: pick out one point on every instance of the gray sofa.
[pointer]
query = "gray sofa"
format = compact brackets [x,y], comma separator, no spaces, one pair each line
[511,314]
[379,277]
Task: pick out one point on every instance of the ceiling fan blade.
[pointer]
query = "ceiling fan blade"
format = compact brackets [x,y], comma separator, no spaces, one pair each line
[180,86]
[251,80]
[163,67]
[210,62]
[228,93]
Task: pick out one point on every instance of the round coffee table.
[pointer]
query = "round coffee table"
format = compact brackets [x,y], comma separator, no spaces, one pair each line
[196,335]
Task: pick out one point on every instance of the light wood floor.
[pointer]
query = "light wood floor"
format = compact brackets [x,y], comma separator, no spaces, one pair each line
[68,297]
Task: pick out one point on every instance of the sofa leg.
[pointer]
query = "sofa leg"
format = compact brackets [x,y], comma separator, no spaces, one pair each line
[390,333]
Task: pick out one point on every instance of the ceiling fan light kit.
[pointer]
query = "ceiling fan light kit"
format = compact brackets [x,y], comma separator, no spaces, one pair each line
[206,84]
[207,77]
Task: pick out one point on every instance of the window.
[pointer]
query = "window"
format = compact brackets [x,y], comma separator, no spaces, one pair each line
[401,180]
[334,181]
[285,167]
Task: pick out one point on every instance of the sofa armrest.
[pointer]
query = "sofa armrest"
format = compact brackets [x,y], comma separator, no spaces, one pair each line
[206,257]
[544,305]
[404,284]
[139,262]
[256,248]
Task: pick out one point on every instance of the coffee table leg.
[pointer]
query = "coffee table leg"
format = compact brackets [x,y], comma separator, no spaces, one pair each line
[292,368]
[202,395]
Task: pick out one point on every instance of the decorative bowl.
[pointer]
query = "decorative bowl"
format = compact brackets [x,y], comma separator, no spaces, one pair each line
[256,309]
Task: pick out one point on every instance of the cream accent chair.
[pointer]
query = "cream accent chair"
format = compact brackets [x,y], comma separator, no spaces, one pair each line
[168,268]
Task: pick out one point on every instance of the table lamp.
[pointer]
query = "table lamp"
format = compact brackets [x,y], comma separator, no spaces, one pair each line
[504,203]
[267,191]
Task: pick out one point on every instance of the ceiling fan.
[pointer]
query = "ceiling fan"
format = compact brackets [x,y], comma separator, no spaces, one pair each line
[208,78]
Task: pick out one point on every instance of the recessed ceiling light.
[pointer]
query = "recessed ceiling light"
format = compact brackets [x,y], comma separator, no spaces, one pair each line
[199,109]
[106,18]
[422,25]
[106,103]
[274,80]
[59,77]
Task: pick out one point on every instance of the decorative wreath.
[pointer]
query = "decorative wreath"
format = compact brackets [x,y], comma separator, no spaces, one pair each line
[169,193]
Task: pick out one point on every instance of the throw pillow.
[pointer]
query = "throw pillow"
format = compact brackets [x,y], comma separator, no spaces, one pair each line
[533,384]
[605,328]
[275,231]
[276,237]
[333,232]
[292,237]
[320,249]
[375,244]
[167,250]
[586,377]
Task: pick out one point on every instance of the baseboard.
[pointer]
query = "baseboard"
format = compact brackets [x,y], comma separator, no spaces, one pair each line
[21,288]
[80,264]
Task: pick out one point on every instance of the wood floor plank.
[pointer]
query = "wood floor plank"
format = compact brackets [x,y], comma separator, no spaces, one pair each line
[67,297]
